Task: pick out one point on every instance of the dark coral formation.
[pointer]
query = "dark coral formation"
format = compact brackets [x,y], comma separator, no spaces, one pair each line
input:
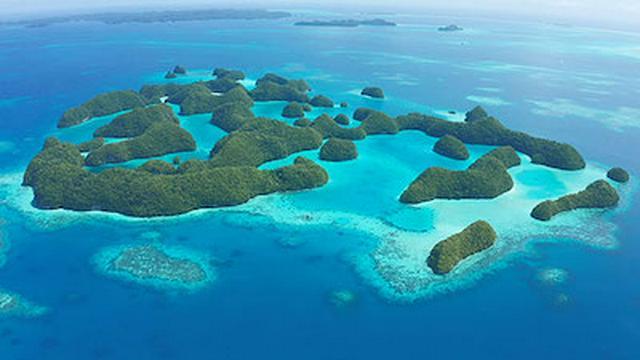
[597,195]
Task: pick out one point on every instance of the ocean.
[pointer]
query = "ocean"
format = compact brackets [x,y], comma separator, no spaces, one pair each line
[564,289]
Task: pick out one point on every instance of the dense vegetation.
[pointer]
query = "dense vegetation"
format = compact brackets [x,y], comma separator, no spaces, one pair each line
[448,253]
[59,181]
[374,92]
[136,122]
[274,87]
[475,114]
[489,131]
[338,150]
[232,116]
[293,110]
[222,73]
[326,126]
[341,119]
[91,144]
[486,178]
[101,105]
[597,195]
[618,174]
[200,100]
[451,147]
[160,138]
[263,140]
[321,101]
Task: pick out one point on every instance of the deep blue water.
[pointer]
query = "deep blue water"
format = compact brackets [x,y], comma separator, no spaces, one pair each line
[271,300]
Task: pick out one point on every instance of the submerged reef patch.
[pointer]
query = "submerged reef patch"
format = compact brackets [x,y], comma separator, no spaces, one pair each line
[156,265]
[14,305]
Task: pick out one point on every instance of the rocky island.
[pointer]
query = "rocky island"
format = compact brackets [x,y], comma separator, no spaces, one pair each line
[338,150]
[346,23]
[448,253]
[486,178]
[618,174]
[373,92]
[451,147]
[450,28]
[231,175]
[597,195]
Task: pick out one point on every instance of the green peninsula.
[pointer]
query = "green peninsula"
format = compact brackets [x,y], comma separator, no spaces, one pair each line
[597,195]
[486,178]
[448,253]
[161,138]
[101,105]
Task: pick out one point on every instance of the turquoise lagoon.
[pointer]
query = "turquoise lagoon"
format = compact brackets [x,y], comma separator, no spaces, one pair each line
[560,289]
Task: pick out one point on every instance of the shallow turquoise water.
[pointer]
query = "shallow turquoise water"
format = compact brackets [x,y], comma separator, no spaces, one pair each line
[278,258]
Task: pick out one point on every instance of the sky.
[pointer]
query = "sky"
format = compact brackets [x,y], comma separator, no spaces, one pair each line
[612,11]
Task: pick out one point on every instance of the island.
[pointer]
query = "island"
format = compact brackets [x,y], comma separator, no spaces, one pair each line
[72,176]
[346,23]
[293,110]
[272,87]
[169,16]
[321,101]
[490,131]
[475,238]
[618,174]
[101,105]
[136,122]
[338,150]
[374,92]
[450,28]
[179,70]
[597,195]
[160,138]
[234,75]
[451,147]
[342,119]
[486,178]
[170,75]
[156,265]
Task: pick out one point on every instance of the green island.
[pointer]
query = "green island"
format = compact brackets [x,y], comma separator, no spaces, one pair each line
[293,110]
[101,105]
[321,101]
[486,178]
[14,305]
[372,91]
[342,119]
[346,23]
[273,87]
[136,122]
[161,138]
[231,175]
[449,252]
[59,180]
[490,131]
[156,265]
[338,150]
[597,195]
[451,147]
[234,75]
[618,174]
[450,28]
